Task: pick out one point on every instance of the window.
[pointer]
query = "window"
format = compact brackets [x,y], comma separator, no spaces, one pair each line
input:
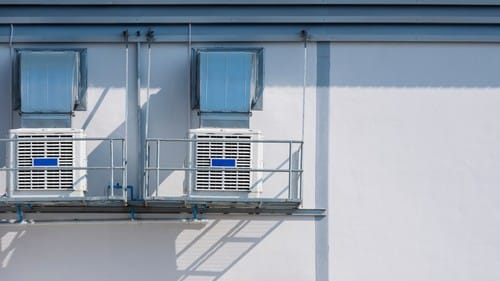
[51,86]
[227,85]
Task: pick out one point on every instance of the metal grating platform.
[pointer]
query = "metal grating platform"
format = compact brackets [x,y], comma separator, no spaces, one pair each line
[160,206]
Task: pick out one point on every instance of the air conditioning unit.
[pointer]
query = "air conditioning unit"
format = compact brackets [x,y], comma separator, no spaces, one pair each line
[223,159]
[40,157]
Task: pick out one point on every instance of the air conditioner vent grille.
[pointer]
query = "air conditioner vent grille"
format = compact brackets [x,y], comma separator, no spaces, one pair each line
[209,147]
[59,146]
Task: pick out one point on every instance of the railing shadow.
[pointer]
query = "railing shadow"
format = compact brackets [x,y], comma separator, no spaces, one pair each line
[224,251]
[173,250]
[89,251]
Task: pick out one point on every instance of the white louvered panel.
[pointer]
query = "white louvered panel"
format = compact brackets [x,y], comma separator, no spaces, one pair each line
[59,146]
[223,179]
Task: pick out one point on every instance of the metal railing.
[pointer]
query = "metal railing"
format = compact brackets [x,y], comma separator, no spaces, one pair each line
[13,193]
[156,155]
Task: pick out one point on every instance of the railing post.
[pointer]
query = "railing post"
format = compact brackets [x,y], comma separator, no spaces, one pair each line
[112,179]
[157,166]
[124,171]
[192,144]
[145,172]
[12,165]
[301,164]
[290,170]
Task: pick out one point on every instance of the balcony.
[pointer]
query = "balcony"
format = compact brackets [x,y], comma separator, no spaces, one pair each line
[54,169]
[200,171]
[171,173]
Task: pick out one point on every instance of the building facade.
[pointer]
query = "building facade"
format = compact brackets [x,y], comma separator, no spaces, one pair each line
[249,140]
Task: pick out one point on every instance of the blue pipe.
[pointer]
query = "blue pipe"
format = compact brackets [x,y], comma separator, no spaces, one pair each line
[129,187]
[20,217]
[195,212]
[132,198]
[132,213]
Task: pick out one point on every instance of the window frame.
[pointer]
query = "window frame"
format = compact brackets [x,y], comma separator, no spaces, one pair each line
[81,97]
[257,102]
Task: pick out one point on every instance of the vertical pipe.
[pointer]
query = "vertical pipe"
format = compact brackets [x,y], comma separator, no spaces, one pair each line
[20,216]
[304,84]
[148,93]
[11,54]
[290,170]
[125,139]
[12,173]
[112,156]
[157,166]
[132,213]
[189,78]
[146,125]
[195,212]
[190,173]
[139,113]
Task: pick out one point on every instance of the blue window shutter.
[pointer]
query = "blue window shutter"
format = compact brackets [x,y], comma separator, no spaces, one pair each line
[48,81]
[226,80]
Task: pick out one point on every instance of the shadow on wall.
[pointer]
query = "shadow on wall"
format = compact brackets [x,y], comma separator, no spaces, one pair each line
[167,120]
[136,251]
[212,253]
[100,156]
[415,65]
[89,252]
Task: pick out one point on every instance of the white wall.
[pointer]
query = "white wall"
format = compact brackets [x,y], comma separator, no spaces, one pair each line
[223,248]
[415,161]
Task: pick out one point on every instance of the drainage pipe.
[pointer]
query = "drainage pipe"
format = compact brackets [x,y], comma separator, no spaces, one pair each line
[125,143]
[304,35]
[139,113]
[149,37]
[189,78]
[11,97]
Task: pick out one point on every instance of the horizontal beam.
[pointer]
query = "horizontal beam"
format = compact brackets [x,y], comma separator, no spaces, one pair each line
[178,33]
[249,2]
[139,209]
[321,14]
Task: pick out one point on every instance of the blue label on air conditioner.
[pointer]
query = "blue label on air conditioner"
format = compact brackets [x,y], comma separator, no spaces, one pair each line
[45,162]
[222,162]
